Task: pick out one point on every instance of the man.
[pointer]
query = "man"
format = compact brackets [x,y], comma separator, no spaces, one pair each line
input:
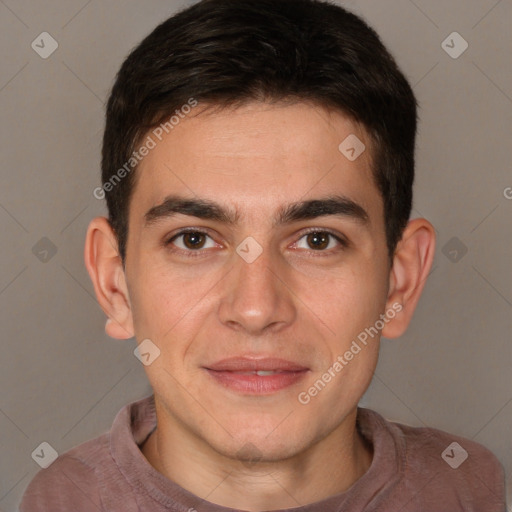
[258,162]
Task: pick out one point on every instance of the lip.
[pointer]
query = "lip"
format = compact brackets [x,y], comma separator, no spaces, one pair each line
[248,364]
[239,374]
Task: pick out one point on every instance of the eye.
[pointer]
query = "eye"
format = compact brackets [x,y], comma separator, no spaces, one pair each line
[192,241]
[319,241]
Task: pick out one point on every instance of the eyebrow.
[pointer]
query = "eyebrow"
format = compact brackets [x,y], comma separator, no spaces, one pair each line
[206,209]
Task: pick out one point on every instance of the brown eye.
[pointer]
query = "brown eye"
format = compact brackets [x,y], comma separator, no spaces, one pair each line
[194,240]
[318,241]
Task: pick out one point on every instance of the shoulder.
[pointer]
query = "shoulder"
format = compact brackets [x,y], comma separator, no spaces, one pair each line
[453,466]
[71,481]
[85,476]
[447,451]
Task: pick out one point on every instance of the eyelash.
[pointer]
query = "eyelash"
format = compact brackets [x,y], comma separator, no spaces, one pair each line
[200,252]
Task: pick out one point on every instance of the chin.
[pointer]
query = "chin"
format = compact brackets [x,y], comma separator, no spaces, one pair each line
[259,448]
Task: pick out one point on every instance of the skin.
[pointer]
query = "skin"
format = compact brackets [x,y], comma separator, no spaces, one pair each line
[295,301]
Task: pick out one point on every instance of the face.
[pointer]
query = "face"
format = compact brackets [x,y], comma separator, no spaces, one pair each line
[256,256]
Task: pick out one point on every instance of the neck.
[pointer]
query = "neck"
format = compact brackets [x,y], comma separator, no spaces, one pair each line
[329,467]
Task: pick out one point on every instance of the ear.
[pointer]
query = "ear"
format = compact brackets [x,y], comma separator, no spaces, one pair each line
[106,270]
[411,265]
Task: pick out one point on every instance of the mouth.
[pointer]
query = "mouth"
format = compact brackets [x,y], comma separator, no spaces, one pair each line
[256,376]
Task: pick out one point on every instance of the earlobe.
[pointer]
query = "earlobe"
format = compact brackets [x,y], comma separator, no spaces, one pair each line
[106,271]
[411,265]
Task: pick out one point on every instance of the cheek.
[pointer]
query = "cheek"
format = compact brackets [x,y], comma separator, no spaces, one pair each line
[348,301]
[351,306]
[166,301]
[155,300]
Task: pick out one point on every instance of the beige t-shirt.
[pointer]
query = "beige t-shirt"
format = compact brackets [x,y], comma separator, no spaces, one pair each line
[408,473]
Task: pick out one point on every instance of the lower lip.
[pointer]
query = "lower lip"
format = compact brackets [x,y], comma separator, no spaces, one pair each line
[254,384]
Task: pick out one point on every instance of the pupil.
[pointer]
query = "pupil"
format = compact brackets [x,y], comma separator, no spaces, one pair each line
[194,240]
[318,240]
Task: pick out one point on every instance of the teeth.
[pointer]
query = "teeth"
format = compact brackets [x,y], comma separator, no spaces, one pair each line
[265,372]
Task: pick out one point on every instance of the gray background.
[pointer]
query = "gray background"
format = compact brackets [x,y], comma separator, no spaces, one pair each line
[63,379]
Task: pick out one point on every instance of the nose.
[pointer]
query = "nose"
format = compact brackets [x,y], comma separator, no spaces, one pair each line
[257,297]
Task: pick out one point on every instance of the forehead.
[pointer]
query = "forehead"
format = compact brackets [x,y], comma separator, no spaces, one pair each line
[260,156]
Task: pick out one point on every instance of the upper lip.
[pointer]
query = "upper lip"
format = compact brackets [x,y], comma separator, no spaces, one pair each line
[244,364]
